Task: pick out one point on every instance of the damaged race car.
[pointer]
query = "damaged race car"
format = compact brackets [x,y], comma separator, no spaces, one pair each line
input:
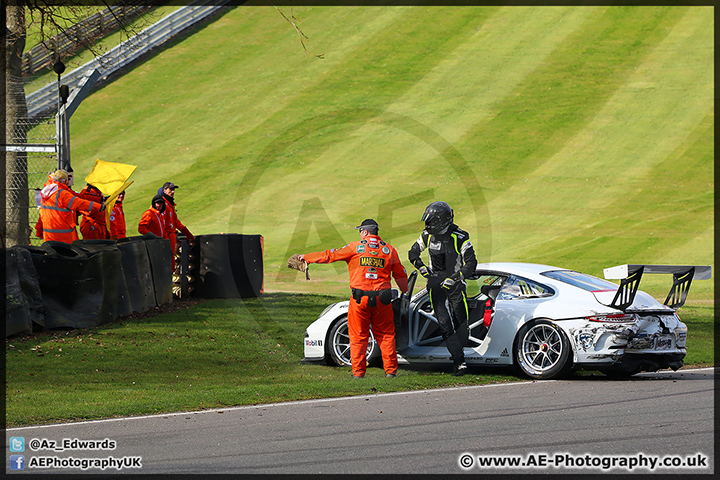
[543,320]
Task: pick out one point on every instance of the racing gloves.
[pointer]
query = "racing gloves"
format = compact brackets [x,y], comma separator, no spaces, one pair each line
[433,281]
[450,282]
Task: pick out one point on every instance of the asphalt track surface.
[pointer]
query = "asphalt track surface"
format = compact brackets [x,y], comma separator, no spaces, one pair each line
[586,421]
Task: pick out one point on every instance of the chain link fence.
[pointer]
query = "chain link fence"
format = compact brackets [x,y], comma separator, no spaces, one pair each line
[27,171]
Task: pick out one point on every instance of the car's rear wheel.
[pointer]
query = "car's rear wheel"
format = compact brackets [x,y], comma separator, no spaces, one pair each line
[542,351]
[338,345]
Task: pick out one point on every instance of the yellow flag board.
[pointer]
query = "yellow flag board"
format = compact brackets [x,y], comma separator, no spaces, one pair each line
[110,202]
[109,177]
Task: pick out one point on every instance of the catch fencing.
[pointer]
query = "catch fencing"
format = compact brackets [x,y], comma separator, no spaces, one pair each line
[76,37]
[39,126]
[45,99]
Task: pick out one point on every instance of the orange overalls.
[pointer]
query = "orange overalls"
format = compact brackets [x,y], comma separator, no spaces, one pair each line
[371,263]
[153,222]
[92,225]
[59,210]
[117,222]
[172,224]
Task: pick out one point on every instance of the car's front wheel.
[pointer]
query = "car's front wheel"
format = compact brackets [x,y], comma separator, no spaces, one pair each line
[542,351]
[339,345]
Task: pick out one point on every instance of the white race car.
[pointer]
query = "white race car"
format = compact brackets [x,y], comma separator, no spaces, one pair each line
[544,320]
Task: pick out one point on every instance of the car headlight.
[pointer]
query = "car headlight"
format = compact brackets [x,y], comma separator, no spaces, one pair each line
[327,308]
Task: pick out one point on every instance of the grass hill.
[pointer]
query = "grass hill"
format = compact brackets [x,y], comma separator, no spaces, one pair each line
[581,137]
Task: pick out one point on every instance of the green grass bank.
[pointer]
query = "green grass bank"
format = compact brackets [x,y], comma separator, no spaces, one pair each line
[575,136]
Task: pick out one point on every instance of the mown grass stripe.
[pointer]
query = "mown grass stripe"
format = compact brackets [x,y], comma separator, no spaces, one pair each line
[544,95]
[468,85]
[385,65]
[604,166]
[559,98]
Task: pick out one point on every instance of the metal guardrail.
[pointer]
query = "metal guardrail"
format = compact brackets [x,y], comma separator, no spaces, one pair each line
[65,44]
[46,98]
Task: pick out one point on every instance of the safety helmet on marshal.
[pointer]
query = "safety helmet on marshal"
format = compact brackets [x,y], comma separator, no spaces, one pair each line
[59,175]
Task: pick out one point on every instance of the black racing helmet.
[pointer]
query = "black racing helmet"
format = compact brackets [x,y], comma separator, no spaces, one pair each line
[437,217]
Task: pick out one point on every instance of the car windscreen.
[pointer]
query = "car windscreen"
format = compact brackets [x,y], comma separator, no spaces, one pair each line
[581,280]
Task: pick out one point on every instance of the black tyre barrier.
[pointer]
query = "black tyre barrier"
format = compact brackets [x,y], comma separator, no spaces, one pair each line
[78,290]
[111,270]
[138,275]
[147,236]
[40,250]
[23,298]
[229,265]
[65,250]
[94,242]
[158,250]
[87,283]
[124,307]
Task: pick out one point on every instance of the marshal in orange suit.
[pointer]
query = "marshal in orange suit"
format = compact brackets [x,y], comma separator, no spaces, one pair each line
[371,263]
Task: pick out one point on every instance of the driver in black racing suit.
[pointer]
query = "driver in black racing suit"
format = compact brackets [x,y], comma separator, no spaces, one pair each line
[451,260]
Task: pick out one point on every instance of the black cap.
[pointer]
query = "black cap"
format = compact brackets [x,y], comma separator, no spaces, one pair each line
[169,185]
[368,224]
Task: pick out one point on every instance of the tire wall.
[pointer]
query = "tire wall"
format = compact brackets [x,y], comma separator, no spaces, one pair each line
[158,251]
[229,265]
[23,299]
[84,284]
[71,297]
[105,270]
[137,273]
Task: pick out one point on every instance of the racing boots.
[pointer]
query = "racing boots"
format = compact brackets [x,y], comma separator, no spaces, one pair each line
[460,369]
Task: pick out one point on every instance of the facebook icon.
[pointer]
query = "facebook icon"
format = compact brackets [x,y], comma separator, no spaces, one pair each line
[17,462]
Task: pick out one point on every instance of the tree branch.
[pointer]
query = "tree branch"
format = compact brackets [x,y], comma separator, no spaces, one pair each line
[303,37]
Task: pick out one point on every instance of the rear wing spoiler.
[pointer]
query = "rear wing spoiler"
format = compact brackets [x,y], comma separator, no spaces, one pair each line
[630,275]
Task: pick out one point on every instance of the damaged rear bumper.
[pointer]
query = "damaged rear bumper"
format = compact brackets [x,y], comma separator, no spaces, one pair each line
[653,342]
[632,363]
[648,362]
